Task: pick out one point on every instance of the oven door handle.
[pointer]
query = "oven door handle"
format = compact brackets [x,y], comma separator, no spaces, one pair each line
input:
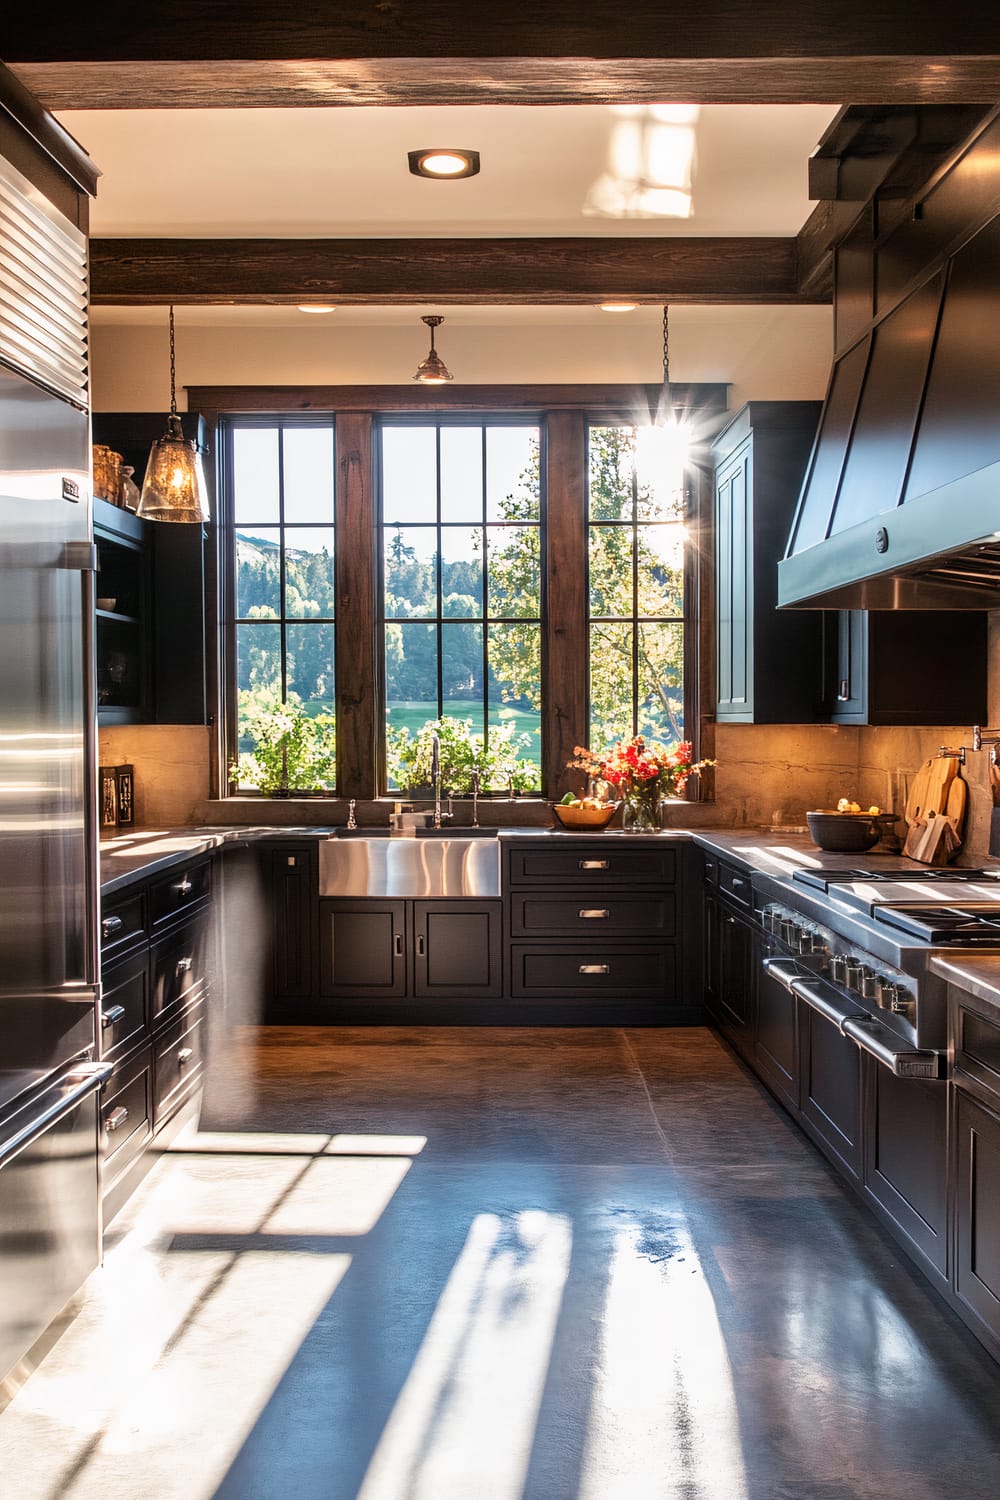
[785,971]
[875,1038]
[822,997]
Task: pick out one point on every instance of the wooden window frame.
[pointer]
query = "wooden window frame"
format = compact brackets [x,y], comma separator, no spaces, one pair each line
[565,413]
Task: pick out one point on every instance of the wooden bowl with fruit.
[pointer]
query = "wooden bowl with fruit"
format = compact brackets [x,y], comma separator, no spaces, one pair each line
[583,812]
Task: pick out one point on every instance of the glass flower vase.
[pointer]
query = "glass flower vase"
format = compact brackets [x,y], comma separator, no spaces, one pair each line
[641,811]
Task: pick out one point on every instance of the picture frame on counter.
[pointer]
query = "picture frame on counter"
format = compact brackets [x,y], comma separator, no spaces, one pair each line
[125,790]
[108,791]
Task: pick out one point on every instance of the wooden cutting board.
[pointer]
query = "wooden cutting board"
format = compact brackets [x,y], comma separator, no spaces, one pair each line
[958,796]
[944,769]
[917,800]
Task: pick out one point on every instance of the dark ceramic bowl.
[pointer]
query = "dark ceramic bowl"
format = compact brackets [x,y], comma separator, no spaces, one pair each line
[844,833]
[591,818]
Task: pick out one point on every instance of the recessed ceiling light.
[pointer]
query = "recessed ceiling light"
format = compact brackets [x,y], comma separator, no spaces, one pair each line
[317,307]
[443,161]
[617,306]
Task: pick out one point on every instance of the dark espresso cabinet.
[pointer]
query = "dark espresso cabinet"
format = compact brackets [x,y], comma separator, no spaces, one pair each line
[974,1035]
[596,928]
[389,949]
[151,639]
[905,666]
[157,968]
[906,1159]
[769,664]
[729,971]
[830,1098]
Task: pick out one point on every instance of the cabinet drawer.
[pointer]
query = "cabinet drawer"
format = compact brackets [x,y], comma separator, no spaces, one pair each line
[180,1061]
[583,865]
[736,884]
[977,1047]
[124,1007]
[127,1115]
[123,924]
[185,886]
[578,972]
[594,914]
[179,966]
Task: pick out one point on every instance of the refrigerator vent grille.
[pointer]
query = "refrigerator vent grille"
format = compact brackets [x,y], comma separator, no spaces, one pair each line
[43,290]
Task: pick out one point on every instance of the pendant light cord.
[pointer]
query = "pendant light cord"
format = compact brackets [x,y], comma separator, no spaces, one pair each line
[666,346]
[173,367]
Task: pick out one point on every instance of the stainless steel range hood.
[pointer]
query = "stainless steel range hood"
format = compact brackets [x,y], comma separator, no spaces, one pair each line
[900,508]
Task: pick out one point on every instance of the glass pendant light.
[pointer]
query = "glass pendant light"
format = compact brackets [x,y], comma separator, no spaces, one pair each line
[174,486]
[433,370]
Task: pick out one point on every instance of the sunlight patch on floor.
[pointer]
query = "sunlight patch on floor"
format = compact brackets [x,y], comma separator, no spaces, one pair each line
[663,1418]
[175,1353]
[465,1420]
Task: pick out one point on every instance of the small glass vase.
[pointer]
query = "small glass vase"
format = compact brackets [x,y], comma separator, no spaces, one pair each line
[641,812]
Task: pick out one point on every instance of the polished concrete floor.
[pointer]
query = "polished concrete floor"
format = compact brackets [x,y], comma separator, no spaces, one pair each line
[494,1264]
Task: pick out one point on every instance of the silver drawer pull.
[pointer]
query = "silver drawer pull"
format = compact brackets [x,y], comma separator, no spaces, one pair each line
[111,925]
[591,914]
[595,864]
[112,1016]
[184,1056]
[397,944]
[116,1119]
[184,965]
[183,887]
[594,969]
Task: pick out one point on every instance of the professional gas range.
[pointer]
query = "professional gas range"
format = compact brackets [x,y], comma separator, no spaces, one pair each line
[855,945]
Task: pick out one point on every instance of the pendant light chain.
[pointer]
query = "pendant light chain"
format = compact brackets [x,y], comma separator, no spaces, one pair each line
[666,345]
[173,367]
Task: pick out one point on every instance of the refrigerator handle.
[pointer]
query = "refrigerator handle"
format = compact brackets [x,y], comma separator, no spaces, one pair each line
[87,563]
[84,1079]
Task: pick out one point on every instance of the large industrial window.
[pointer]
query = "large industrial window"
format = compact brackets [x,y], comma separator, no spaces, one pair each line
[281,500]
[461,524]
[636,545]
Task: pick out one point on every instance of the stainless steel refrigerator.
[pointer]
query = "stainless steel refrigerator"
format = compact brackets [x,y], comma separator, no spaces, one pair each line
[49,991]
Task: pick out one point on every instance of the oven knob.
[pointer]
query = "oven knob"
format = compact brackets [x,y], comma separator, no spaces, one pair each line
[893,997]
[838,967]
[871,985]
[789,932]
[805,942]
[853,974]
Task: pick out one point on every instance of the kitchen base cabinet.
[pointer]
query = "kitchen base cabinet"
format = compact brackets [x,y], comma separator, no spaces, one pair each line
[402,950]
[906,1158]
[158,960]
[363,948]
[292,904]
[830,1067]
[729,968]
[601,922]
[977,1264]
[776,1035]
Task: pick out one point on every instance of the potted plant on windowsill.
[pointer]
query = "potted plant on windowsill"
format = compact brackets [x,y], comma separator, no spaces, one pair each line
[462,753]
[292,751]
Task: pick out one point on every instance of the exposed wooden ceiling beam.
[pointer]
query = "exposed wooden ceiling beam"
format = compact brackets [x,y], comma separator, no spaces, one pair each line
[393,271]
[276,52]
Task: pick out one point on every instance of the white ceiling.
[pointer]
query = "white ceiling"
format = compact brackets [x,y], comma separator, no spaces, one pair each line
[343,173]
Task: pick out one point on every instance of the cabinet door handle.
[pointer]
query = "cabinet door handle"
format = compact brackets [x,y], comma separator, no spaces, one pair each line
[111,925]
[594,969]
[116,1119]
[730,921]
[111,1016]
[845,691]
[590,914]
[184,1056]
[420,944]
[595,864]
[397,944]
[183,887]
[184,965]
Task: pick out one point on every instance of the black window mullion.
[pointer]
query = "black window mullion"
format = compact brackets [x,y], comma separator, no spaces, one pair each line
[440,568]
[486,589]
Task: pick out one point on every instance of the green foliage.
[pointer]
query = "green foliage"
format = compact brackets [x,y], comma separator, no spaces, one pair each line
[408,757]
[291,750]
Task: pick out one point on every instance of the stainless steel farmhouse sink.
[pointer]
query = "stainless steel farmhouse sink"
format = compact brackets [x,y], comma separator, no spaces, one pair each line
[445,865]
